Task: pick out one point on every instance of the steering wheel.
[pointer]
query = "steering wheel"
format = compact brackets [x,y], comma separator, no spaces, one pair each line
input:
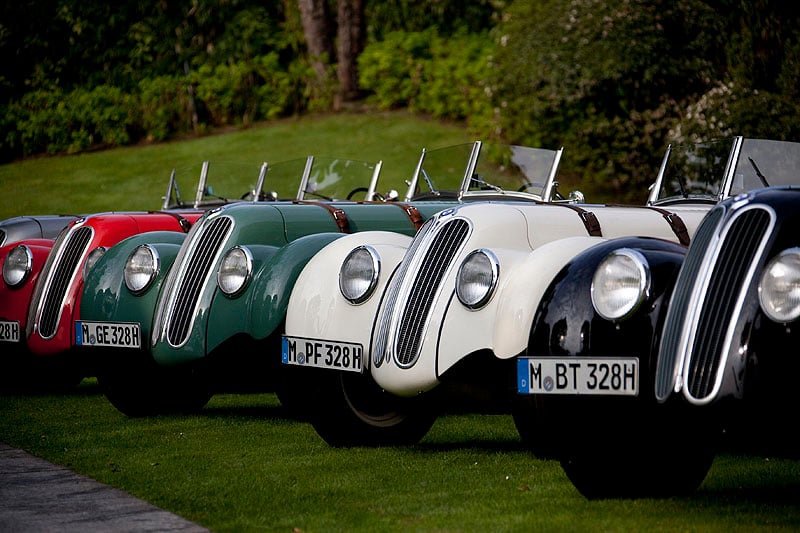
[528,184]
[356,191]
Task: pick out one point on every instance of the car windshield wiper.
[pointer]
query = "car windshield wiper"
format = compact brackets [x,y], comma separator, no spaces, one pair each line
[478,180]
[307,191]
[428,180]
[681,184]
[758,172]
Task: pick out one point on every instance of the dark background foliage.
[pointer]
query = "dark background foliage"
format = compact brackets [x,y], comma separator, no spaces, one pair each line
[611,81]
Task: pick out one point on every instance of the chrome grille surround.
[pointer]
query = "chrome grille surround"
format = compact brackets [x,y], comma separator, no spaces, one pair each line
[62,266]
[700,324]
[417,283]
[184,285]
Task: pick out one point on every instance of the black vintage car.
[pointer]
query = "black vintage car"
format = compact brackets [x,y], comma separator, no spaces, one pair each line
[646,357]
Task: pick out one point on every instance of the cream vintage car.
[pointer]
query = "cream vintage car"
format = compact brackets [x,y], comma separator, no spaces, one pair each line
[380,326]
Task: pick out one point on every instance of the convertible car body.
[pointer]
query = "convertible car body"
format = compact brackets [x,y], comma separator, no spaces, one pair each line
[211,312]
[642,356]
[456,305]
[43,280]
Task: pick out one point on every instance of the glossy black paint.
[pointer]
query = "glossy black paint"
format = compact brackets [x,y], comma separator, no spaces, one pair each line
[758,420]
[566,323]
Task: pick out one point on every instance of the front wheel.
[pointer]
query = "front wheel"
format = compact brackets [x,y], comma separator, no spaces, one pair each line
[628,474]
[353,411]
[661,453]
[142,388]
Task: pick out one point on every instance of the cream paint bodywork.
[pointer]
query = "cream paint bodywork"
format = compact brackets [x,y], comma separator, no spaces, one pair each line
[317,309]
[531,242]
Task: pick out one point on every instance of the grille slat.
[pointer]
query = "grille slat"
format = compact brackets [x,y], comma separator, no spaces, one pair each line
[669,351]
[187,289]
[60,275]
[384,325]
[715,304]
[736,255]
[437,260]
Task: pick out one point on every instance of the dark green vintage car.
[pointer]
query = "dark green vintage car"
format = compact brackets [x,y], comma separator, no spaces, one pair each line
[171,319]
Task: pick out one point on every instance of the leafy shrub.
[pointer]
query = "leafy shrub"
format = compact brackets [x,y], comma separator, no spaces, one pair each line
[244,91]
[50,121]
[166,107]
[444,77]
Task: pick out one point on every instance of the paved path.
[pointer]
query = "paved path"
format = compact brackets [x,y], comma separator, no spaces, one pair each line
[40,497]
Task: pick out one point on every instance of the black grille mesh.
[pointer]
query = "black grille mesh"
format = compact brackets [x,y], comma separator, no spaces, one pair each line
[736,251]
[189,287]
[432,269]
[669,351]
[382,337]
[74,249]
[730,270]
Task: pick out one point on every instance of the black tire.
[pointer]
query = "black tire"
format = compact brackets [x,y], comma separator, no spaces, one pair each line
[142,388]
[627,474]
[351,410]
[659,452]
[539,433]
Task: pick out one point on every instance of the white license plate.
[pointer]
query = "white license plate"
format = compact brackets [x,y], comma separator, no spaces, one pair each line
[613,376]
[323,354]
[115,334]
[9,331]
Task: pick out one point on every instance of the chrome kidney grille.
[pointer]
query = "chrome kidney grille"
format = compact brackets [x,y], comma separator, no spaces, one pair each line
[60,269]
[417,283]
[708,301]
[185,286]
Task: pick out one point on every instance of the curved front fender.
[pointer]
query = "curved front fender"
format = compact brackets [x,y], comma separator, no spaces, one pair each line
[317,310]
[566,324]
[262,308]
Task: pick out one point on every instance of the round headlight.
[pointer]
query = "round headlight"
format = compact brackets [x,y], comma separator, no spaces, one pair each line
[620,284]
[779,288]
[359,274]
[476,278]
[141,268]
[17,267]
[92,258]
[235,270]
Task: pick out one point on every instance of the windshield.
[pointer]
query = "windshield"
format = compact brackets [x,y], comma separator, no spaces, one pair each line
[695,171]
[210,183]
[513,168]
[711,171]
[493,169]
[338,179]
[763,163]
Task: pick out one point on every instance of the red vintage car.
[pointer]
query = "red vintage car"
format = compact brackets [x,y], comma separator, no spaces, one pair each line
[42,279]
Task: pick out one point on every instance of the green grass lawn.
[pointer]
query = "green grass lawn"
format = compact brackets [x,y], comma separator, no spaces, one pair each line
[135,178]
[243,465]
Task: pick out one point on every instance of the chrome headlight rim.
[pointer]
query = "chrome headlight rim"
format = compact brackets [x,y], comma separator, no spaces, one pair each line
[92,258]
[369,282]
[487,291]
[246,256]
[150,273]
[600,298]
[769,294]
[22,256]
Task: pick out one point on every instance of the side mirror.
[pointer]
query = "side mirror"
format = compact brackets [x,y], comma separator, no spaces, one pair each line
[576,197]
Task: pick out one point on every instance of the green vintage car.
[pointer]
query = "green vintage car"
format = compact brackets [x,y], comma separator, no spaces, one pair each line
[196,314]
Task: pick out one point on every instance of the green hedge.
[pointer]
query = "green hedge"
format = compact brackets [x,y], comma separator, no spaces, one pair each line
[52,121]
[446,77]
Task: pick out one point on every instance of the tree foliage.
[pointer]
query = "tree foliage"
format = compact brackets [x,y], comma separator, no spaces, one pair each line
[613,81]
